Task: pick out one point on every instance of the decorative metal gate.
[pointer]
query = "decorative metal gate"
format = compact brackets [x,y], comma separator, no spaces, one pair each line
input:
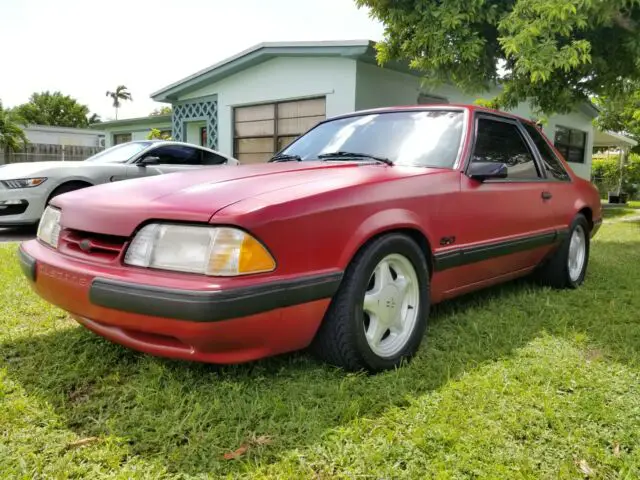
[202,109]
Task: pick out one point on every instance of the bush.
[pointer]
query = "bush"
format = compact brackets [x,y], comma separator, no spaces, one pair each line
[156,134]
[605,173]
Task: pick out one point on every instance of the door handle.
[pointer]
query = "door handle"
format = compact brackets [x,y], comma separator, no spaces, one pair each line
[546,195]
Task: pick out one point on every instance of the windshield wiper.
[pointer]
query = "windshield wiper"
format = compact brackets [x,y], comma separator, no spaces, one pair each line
[353,155]
[286,158]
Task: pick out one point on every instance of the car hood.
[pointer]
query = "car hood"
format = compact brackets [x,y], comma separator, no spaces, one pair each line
[195,196]
[32,169]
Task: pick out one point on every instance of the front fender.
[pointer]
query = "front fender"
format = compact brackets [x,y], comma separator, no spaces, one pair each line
[379,223]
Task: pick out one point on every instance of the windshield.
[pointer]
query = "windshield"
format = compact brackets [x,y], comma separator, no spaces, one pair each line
[119,153]
[428,138]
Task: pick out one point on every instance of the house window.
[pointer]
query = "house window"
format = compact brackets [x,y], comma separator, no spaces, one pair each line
[571,144]
[119,138]
[262,130]
[426,99]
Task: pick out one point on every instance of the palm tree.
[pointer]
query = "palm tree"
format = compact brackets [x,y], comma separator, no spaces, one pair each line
[12,137]
[121,93]
[94,118]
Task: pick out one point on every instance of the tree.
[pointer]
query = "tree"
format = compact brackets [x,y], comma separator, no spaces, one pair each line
[553,53]
[156,134]
[621,114]
[55,109]
[94,118]
[161,111]
[121,93]
[12,137]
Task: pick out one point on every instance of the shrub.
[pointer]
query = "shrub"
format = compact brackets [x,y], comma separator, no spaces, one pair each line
[605,173]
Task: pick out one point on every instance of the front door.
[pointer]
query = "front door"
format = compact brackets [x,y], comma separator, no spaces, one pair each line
[507,225]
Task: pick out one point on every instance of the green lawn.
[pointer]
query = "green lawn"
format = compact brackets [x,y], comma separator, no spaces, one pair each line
[618,212]
[632,208]
[512,382]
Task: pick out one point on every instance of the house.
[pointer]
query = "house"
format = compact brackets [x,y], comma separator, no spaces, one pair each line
[255,103]
[48,143]
[126,130]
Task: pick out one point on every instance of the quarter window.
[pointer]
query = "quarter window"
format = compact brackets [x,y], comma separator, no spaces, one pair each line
[552,163]
[571,144]
[209,158]
[502,142]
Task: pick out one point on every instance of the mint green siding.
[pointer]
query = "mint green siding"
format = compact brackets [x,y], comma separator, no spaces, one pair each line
[382,87]
[282,79]
[139,128]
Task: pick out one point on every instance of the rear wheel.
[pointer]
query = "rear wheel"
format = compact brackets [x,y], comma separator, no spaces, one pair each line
[378,317]
[567,267]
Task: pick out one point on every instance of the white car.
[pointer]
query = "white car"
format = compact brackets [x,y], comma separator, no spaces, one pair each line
[27,188]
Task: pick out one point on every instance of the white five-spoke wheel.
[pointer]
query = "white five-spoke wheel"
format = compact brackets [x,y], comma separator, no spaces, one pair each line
[567,266]
[391,305]
[577,253]
[378,317]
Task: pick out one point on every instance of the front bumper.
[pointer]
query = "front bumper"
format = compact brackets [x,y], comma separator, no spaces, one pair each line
[183,316]
[35,199]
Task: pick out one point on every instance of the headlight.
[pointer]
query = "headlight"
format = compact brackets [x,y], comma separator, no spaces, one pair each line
[49,227]
[24,182]
[215,251]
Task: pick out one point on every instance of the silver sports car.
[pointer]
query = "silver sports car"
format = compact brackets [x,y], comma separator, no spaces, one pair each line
[27,188]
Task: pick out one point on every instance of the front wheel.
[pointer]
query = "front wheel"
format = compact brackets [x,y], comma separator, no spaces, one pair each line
[379,315]
[567,267]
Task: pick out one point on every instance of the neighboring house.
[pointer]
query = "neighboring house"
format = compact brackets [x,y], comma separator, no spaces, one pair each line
[47,143]
[613,140]
[126,130]
[255,103]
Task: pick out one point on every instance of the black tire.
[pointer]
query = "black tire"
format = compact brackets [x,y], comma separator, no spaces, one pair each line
[554,272]
[341,339]
[66,188]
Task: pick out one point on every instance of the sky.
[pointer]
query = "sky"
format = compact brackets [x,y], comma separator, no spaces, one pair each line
[84,48]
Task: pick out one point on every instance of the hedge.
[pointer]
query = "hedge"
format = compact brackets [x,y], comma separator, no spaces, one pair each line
[605,173]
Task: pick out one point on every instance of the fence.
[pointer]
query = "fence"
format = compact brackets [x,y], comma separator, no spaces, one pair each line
[42,152]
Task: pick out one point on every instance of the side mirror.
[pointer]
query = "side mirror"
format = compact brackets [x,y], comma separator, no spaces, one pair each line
[150,160]
[482,171]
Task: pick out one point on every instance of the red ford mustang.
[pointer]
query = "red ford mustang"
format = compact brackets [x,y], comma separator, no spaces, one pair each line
[342,242]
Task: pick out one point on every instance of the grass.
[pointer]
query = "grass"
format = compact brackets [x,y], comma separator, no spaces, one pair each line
[618,212]
[632,208]
[511,382]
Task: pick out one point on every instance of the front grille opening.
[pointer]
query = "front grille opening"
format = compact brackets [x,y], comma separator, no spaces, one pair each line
[97,247]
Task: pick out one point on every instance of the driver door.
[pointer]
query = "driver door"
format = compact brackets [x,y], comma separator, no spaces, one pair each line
[506,225]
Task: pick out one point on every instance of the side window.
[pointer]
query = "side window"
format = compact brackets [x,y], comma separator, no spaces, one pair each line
[502,142]
[552,164]
[210,158]
[177,155]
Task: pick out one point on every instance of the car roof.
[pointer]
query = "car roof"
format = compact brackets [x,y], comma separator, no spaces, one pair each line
[435,106]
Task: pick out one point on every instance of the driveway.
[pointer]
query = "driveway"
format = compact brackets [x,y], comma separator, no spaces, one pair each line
[17,234]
